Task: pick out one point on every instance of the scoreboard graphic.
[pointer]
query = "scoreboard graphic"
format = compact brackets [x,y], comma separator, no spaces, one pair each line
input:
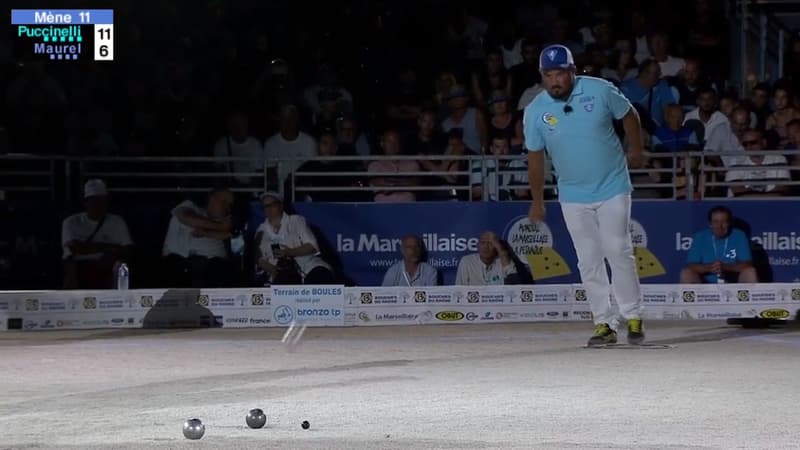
[66,34]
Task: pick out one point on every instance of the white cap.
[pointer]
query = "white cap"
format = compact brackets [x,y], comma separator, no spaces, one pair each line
[272,194]
[94,188]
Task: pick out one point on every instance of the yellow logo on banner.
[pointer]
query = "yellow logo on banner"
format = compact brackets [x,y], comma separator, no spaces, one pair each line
[647,265]
[775,314]
[533,243]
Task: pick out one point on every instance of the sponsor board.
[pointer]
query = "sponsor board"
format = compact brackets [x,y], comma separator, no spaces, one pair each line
[310,305]
[774,313]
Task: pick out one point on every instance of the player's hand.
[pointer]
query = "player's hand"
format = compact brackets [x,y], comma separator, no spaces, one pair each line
[716,267]
[536,212]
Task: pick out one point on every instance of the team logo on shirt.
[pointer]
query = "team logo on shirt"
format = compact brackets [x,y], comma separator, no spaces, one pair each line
[588,107]
[550,120]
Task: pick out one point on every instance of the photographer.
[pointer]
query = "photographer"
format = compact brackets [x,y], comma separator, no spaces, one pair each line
[286,250]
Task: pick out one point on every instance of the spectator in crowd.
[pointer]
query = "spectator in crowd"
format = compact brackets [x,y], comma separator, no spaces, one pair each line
[492,77]
[195,248]
[504,120]
[525,74]
[321,175]
[741,120]
[351,140]
[327,80]
[506,179]
[783,114]
[390,143]
[329,110]
[717,134]
[444,85]
[471,120]
[757,168]
[622,67]
[649,93]
[707,27]
[727,103]
[492,265]
[94,242]
[687,83]
[458,167]
[411,270]
[290,145]
[528,95]
[286,250]
[672,137]
[720,251]
[670,66]
[640,33]
[403,101]
[427,141]
[239,144]
[759,104]
[793,135]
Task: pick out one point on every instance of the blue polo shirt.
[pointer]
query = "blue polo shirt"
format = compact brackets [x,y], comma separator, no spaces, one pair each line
[586,152]
[707,248]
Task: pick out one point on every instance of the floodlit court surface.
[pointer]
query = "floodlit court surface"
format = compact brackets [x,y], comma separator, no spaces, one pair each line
[504,386]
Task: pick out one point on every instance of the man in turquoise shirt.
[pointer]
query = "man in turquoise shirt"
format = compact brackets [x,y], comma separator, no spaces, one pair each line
[720,251]
[573,120]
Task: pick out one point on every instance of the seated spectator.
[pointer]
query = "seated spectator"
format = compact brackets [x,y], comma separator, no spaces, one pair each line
[759,104]
[428,139]
[506,179]
[328,148]
[758,168]
[622,66]
[492,265]
[239,144]
[471,120]
[94,242]
[289,145]
[674,136]
[327,80]
[403,101]
[390,143]
[412,270]
[649,93]
[195,248]
[717,134]
[528,95]
[793,136]
[329,110]
[784,113]
[351,140]
[741,122]
[458,180]
[719,252]
[525,74]
[286,250]
[492,77]
[670,66]
[687,83]
[505,120]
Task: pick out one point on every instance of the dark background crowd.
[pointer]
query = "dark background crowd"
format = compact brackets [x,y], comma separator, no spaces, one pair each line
[305,79]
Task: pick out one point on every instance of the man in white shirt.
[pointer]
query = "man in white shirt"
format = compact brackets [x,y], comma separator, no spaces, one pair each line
[93,242]
[411,270]
[289,143]
[195,246]
[239,144]
[492,265]
[670,66]
[758,168]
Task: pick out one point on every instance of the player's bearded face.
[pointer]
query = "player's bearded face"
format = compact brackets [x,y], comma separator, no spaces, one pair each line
[558,82]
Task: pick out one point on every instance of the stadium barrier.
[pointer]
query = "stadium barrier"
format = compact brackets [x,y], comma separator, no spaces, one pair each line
[339,306]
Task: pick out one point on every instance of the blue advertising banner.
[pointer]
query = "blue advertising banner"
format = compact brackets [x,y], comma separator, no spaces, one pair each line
[366,237]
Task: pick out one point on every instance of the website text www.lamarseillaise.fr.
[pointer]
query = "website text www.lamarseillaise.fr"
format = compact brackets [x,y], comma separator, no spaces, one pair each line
[438,263]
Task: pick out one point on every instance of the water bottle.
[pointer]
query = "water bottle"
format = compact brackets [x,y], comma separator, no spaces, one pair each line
[123,276]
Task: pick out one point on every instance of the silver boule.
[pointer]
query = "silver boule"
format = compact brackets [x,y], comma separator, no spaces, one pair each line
[193,429]
[256,418]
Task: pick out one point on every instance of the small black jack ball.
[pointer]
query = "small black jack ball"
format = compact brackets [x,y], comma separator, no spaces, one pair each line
[305,425]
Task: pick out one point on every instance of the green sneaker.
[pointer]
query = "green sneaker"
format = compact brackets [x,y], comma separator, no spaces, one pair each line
[603,335]
[635,332]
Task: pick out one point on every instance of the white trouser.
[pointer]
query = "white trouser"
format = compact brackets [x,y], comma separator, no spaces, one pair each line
[601,230]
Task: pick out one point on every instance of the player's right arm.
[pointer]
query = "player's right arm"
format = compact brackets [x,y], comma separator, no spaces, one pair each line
[534,142]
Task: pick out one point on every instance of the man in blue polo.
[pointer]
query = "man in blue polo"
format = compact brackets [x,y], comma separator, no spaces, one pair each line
[720,251]
[573,120]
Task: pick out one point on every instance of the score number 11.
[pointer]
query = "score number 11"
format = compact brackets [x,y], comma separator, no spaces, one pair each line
[103,42]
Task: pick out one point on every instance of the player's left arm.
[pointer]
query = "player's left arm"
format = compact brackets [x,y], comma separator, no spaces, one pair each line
[622,109]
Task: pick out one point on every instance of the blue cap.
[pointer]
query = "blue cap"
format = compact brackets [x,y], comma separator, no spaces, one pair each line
[555,57]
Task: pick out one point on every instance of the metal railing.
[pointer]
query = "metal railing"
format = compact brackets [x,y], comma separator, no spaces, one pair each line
[673,175]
